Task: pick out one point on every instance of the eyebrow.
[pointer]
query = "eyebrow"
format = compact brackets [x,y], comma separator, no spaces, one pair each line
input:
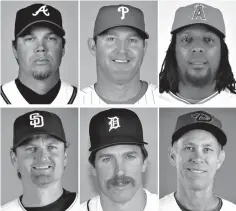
[112,155]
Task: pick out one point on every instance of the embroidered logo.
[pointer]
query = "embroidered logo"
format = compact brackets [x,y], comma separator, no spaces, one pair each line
[201,117]
[199,12]
[114,123]
[42,9]
[36,120]
[123,10]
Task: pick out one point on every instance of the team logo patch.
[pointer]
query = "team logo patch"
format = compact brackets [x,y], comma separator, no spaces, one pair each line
[114,123]
[36,120]
[42,9]
[199,12]
[123,10]
[201,117]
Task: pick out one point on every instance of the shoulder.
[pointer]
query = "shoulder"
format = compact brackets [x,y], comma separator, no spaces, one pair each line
[168,203]
[12,206]
[227,205]
[93,204]
[74,204]
[87,90]
[152,201]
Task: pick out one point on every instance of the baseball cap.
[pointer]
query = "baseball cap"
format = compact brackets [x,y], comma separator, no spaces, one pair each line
[199,120]
[37,122]
[35,14]
[113,127]
[119,15]
[199,13]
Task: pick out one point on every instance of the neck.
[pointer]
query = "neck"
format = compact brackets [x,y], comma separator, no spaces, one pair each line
[137,203]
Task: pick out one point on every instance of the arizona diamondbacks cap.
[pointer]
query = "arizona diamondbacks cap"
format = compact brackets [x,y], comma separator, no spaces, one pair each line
[199,13]
[119,15]
[38,13]
[113,127]
[199,120]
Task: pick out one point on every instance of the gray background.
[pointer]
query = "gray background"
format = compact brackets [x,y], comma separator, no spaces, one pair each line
[69,12]
[224,185]
[88,13]
[148,118]
[11,185]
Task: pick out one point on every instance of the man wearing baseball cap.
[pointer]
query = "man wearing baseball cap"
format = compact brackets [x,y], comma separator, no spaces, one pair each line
[39,154]
[197,153]
[118,158]
[196,69]
[119,45]
[38,47]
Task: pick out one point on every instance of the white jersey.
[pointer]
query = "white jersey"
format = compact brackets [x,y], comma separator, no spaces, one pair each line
[88,96]
[11,95]
[168,203]
[95,204]
[16,205]
[223,99]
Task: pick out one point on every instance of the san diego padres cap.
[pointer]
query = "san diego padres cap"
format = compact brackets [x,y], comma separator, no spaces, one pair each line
[38,13]
[37,122]
[114,127]
[199,13]
[199,120]
[119,15]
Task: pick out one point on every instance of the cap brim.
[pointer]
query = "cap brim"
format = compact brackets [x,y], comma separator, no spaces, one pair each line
[217,132]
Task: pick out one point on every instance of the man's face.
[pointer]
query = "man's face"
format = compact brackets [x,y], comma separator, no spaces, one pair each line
[39,53]
[197,156]
[41,161]
[119,171]
[119,54]
[198,53]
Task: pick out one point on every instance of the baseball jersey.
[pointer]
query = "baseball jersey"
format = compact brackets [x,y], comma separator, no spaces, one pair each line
[11,95]
[88,96]
[95,204]
[225,98]
[168,203]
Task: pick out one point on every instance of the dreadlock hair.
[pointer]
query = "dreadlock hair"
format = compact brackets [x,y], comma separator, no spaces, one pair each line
[168,77]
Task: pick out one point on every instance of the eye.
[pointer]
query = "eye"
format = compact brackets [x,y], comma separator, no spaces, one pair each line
[208,39]
[29,38]
[189,149]
[133,40]
[106,159]
[186,39]
[51,38]
[130,157]
[110,38]
[207,150]
[31,149]
[51,147]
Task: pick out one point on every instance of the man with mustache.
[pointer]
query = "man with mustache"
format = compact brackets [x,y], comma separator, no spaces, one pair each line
[197,153]
[38,47]
[118,158]
[196,69]
[39,154]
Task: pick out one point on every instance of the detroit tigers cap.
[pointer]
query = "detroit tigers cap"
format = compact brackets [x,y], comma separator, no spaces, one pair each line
[119,15]
[199,13]
[199,120]
[37,122]
[38,13]
[113,127]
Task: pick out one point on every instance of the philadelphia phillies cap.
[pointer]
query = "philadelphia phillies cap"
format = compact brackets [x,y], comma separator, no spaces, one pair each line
[114,127]
[199,13]
[119,15]
[37,122]
[35,14]
[199,120]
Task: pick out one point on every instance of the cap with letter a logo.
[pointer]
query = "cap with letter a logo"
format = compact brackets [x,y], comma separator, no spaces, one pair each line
[119,15]
[45,15]
[113,127]
[199,120]
[199,13]
[37,122]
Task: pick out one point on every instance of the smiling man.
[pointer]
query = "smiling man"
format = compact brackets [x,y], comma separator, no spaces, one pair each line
[39,155]
[38,47]
[197,153]
[119,45]
[118,159]
[196,68]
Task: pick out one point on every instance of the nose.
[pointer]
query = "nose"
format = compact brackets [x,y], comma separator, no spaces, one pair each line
[119,167]
[197,157]
[197,47]
[41,154]
[41,47]
[122,46]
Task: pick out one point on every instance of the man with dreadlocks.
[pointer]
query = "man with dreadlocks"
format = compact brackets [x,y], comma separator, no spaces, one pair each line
[196,68]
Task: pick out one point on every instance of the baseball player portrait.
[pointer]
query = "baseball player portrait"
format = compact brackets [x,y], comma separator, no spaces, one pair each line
[118,160]
[198,151]
[39,47]
[119,43]
[39,153]
[196,67]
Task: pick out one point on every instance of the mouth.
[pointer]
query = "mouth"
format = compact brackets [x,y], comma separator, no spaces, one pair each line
[41,61]
[196,171]
[43,167]
[121,61]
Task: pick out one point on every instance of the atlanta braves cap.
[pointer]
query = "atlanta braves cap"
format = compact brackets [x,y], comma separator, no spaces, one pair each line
[38,13]
[199,13]
[199,120]
[37,122]
[114,127]
[119,15]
